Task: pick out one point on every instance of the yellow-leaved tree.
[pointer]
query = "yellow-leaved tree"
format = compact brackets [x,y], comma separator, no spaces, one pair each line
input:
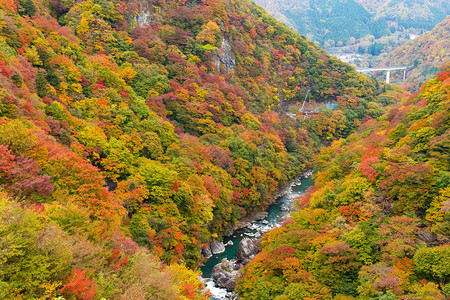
[210,34]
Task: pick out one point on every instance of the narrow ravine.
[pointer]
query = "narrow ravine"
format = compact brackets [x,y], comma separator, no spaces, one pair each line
[277,213]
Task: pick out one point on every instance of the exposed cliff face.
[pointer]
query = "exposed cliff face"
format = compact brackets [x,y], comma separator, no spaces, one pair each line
[143,17]
[224,57]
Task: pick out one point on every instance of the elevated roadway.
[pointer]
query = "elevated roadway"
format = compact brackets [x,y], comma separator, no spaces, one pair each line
[387,69]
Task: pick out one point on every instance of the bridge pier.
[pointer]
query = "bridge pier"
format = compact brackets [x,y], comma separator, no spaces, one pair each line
[388,71]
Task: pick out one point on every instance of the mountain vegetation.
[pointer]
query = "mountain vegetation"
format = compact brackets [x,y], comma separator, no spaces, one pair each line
[376,223]
[342,22]
[410,13]
[134,133]
[423,56]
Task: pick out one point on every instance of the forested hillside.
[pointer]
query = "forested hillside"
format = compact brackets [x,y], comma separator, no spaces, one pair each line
[376,223]
[411,13]
[322,20]
[342,22]
[134,133]
[423,56]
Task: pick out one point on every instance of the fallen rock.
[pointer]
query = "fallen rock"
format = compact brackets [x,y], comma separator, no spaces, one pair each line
[247,250]
[225,272]
[217,247]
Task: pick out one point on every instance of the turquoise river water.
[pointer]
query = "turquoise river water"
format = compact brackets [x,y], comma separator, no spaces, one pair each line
[277,213]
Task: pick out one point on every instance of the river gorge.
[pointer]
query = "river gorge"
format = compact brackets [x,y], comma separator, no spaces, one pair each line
[278,212]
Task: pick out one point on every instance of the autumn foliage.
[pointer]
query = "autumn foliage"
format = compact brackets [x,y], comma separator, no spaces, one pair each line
[79,287]
[138,131]
[375,226]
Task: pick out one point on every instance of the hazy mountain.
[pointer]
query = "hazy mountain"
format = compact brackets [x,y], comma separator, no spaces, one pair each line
[334,21]
[410,10]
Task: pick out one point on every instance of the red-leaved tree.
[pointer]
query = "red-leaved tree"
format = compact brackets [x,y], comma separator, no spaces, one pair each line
[79,287]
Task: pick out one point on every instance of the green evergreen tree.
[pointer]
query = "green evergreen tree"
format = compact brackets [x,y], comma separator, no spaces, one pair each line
[27,8]
[41,84]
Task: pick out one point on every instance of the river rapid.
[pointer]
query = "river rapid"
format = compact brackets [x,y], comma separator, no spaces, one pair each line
[278,212]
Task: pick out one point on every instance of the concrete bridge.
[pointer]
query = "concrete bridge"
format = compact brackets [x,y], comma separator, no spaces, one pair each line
[388,73]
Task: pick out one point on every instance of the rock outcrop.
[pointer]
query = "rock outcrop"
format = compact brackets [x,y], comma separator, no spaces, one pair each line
[249,219]
[224,58]
[225,272]
[143,17]
[230,230]
[206,252]
[247,250]
[217,247]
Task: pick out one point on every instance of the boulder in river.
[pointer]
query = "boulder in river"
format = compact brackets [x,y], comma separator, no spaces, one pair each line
[225,272]
[217,247]
[247,250]
[229,243]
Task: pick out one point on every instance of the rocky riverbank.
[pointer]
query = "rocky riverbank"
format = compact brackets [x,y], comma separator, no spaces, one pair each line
[225,272]
[249,219]
[243,244]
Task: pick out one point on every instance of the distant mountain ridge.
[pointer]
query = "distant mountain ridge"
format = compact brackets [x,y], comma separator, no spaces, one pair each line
[402,9]
[340,21]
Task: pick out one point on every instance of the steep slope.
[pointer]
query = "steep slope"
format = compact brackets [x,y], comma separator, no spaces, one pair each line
[423,56]
[159,121]
[329,22]
[376,223]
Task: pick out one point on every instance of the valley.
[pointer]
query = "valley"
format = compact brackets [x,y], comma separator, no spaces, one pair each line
[375,34]
[137,136]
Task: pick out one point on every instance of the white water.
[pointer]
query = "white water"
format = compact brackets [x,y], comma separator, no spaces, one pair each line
[217,292]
